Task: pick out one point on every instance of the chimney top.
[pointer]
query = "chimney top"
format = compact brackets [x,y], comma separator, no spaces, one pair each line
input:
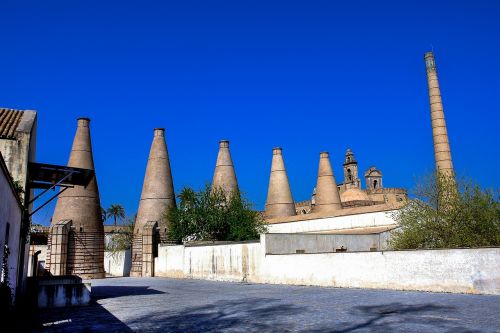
[277,150]
[324,154]
[429,54]
[83,121]
[430,62]
[224,143]
[159,131]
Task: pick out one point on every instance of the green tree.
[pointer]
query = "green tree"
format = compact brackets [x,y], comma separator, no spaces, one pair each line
[115,211]
[448,213]
[210,215]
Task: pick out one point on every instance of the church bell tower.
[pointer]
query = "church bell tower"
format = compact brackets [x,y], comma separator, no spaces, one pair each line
[351,179]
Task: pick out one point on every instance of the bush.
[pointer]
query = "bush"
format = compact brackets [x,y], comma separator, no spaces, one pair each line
[210,215]
[122,240]
[446,213]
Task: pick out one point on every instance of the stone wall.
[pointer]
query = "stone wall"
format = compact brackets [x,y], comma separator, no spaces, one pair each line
[453,270]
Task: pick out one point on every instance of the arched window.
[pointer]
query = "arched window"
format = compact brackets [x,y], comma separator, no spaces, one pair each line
[375,184]
[349,174]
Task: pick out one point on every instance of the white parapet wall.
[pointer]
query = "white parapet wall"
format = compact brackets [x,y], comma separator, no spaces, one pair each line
[474,271]
[118,263]
[362,220]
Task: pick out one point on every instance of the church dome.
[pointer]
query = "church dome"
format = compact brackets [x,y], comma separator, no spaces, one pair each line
[354,194]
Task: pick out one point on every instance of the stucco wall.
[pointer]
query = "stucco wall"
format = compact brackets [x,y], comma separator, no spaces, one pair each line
[234,262]
[454,270]
[457,270]
[10,212]
[118,263]
[335,223]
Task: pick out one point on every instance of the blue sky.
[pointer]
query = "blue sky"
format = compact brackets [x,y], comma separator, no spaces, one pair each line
[307,76]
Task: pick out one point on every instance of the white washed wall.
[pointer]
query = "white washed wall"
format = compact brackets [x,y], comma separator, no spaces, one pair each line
[10,212]
[118,263]
[455,270]
[216,262]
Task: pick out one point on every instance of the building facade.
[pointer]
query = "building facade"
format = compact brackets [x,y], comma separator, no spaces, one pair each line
[18,148]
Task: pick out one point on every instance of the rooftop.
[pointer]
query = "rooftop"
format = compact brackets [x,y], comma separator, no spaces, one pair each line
[9,120]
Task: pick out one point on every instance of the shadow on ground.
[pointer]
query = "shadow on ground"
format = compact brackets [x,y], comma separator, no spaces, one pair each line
[268,315]
[246,315]
[102,292]
[250,314]
[91,318]
[397,317]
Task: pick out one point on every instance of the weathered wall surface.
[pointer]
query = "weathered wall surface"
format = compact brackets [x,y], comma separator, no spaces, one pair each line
[58,291]
[234,262]
[18,152]
[335,223]
[118,263]
[456,270]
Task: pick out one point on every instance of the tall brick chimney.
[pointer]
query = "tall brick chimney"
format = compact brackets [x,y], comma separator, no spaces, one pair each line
[442,152]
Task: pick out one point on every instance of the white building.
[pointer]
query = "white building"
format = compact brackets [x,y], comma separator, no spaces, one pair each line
[18,148]
[10,226]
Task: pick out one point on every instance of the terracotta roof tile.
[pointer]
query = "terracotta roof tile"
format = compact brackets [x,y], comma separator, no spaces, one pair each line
[9,120]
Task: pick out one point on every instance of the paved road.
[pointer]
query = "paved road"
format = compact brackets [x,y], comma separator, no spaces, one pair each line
[169,305]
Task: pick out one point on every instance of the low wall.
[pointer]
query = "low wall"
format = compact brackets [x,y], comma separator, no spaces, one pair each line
[118,263]
[456,270]
[58,291]
[233,262]
[459,270]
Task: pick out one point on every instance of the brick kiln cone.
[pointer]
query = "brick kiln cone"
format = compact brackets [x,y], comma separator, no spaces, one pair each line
[279,201]
[327,198]
[81,205]
[157,196]
[158,187]
[224,174]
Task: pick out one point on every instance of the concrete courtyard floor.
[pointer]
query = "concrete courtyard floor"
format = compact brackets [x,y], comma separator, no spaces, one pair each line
[170,305]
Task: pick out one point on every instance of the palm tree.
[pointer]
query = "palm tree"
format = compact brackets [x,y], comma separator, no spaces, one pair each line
[116,211]
[104,214]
